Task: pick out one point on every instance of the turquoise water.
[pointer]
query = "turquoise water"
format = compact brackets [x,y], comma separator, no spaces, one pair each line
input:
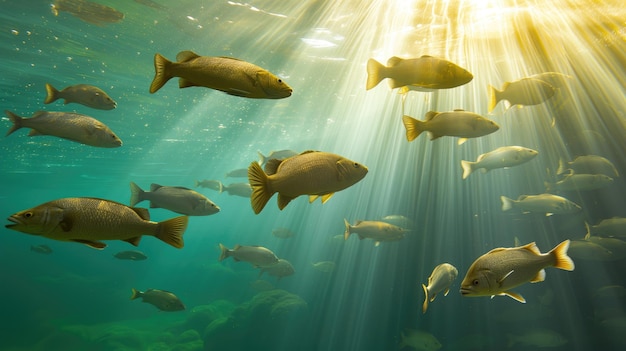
[78,298]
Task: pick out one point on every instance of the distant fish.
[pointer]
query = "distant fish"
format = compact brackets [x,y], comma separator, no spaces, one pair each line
[419,340]
[578,182]
[238,173]
[83,94]
[282,233]
[399,220]
[258,256]
[502,157]
[177,199]
[376,230]
[425,72]
[161,299]
[556,79]
[543,203]
[458,123]
[238,189]
[132,255]
[280,269]
[324,266]
[90,12]
[525,92]
[440,280]
[42,249]
[89,220]
[312,173]
[210,184]
[71,126]
[502,269]
[610,227]
[230,75]
[152,4]
[279,155]
[536,338]
[588,164]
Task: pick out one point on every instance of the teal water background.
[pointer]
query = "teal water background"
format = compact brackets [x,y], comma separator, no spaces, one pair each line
[77,298]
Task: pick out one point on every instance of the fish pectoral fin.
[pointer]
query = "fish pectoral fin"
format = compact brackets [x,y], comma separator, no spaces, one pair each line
[283,200]
[514,296]
[237,92]
[501,280]
[541,276]
[94,244]
[34,132]
[133,241]
[445,293]
[66,224]
[142,212]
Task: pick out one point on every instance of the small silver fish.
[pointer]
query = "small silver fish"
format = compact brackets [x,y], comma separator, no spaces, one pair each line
[177,199]
[258,256]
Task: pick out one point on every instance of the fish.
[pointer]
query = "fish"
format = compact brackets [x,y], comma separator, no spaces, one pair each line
[324,266]
[282,233]
[279,155]
[71,126]
[312,173]
[502,157]
[524,92]
[537,338]
[543,203]
[230,75]
[578,182]
[210,184]
[237,189]
[88,11]
[238,173]
[556,79]
[458,123]
[588,164]
[83,94]
[133,255]
[177,199]
[88,220]
[610,227]
[399,220]
[419,340]
[582,249]
[258,256]
[502,269]
[375,230]
[280,269]
[426,72]
[161,299]
[42,249]
[440,280]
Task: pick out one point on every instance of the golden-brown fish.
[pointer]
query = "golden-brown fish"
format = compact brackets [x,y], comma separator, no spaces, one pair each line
[440,280]
[161,299]
[83,94]
[502,269]
[375,230]
[458,123]
[89,220]
[312,173]
[230,75]
[526,91]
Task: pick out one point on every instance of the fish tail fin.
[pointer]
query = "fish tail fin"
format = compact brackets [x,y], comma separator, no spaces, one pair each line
[262,158]
[507,203]
[52,94]
[224,252]
[17,121]
[161,73]
[374,73]
[468,168]
[172,230]
[261,192]
[413,127]
[135,293]
[136,194]
[562,261]
[561,168]
[425,304]
[493,98]
[347,232]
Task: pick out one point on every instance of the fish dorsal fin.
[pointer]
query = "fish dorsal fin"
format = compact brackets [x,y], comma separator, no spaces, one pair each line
[394,60]
[155,187]
[514,296]
[532,247]
[308,152]
[142,212]
[133,241]
[522,197]
[357,223]
[501,280]
[505,85]
[326,197]
[186,55]
[181,188]
[283,200]
[541,276]
[480,158]
[94,244]
[431,114]
[497,249]
[425,56]
[271,167]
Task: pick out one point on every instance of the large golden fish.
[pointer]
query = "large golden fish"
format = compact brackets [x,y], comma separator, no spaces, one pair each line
[89,220]
[312,173]
[230,75]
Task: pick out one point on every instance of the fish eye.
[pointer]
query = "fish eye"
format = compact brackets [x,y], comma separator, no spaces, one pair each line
[475,282]
[280,80]
[356,165]
[28,214]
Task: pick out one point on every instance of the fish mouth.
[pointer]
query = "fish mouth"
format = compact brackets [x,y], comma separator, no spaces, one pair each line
[465,291]
[15,221]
